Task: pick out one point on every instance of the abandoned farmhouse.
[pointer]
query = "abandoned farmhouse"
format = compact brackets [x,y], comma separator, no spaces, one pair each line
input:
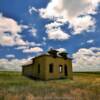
[49,66]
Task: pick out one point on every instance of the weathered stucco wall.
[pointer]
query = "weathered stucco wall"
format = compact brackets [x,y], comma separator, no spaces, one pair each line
[56,62]
[27,70]
[41,61]
[44,62]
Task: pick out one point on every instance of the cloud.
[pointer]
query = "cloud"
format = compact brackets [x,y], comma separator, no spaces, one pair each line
[28,44]
[79,24]
[61,50]
[24,26]
[69,8]
[53,25]
[21,47]
[90,41]
[9,30]
[75,12]
[87,59]
[10,56]
[6,40]
[56,33]
[34,49]
[12,65]
[32,9]
[95,49]
[9,25]
[19,41]
[9,40]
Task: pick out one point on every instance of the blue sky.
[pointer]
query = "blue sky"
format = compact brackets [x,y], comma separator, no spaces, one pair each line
[31,27]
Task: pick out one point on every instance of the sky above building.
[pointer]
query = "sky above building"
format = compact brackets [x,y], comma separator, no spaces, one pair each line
[30,27]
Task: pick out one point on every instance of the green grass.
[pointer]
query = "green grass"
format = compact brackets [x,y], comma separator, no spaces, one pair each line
[84,86]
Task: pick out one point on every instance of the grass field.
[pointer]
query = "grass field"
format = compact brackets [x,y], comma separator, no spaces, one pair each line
[84,86]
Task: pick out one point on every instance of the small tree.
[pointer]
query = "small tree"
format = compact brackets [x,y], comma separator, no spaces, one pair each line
[53,52]
[63,54]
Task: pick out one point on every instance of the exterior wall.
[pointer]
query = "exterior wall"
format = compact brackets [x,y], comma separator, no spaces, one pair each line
[44,62]
[41,61]
[56,62]
[27,70]
[70,73]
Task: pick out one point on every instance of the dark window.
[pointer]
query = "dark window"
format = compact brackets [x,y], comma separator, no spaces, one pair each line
[38,68]
[65,69]
[60,68]
[51,68]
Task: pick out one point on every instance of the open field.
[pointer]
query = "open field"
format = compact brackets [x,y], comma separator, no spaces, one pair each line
[84,86]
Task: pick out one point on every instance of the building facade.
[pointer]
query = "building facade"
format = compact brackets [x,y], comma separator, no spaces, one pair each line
[47,67]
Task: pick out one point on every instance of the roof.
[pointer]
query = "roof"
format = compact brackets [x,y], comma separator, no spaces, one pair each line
[45,54]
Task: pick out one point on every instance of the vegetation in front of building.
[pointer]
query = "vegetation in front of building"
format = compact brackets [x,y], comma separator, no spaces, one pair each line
[84,86]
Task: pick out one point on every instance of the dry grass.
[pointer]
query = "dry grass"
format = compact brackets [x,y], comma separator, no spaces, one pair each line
[84,86]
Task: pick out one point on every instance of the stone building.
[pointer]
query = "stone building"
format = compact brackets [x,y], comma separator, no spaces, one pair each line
[49,66]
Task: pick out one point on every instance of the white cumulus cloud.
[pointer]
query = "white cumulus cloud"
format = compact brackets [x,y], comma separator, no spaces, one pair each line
[9,30]
[9,25]
[34,49]
[79,24]
[87,59]
[12,65]
[75,12]
[57,34]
